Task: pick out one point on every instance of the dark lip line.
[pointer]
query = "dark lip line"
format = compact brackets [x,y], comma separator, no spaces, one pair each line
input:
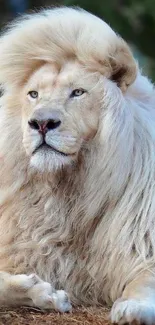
[53,149]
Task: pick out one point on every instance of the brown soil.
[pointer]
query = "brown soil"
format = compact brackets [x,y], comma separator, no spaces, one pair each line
[33,316]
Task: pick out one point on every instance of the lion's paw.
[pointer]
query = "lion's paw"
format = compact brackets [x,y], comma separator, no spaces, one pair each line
[61,301]
[31,290]
[132,311]
[44,296]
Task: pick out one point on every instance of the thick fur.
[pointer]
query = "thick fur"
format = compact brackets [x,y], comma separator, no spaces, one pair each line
[85,225]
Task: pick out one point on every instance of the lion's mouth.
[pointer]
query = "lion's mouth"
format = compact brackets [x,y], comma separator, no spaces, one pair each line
[45,146]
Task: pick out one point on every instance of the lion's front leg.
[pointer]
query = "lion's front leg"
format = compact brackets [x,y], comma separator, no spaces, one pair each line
[137,304]
[31,290]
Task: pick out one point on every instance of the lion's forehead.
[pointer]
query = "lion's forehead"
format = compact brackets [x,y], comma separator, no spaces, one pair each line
[51,76]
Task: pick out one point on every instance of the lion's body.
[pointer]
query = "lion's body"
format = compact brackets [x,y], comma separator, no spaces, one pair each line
[67,228]
[87,227]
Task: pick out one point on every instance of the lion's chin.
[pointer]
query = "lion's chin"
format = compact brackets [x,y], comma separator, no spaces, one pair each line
[49,161]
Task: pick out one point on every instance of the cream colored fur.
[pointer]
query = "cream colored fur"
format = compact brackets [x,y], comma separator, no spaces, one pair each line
[83,221]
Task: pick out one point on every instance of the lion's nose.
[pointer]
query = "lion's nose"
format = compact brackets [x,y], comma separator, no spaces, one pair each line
[44,126]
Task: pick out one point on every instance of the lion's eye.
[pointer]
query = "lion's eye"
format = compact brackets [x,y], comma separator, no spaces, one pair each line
[33,94]
[77,92]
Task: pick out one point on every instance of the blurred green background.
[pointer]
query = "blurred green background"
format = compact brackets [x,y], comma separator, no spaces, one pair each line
[133,19]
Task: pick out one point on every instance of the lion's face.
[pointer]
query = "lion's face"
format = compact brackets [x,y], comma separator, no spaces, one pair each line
[60,112]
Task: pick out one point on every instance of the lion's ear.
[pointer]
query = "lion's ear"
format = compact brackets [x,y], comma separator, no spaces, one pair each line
[122,65]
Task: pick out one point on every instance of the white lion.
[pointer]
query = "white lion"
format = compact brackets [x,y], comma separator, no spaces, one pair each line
[77,176]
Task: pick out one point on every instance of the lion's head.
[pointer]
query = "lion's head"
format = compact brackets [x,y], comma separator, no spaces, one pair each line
[56,62]
[60,113]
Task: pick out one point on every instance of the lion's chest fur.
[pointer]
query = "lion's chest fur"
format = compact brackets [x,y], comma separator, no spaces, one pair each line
[49,235]
[56,234]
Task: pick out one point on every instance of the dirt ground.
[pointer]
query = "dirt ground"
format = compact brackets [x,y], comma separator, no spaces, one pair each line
[33,316]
